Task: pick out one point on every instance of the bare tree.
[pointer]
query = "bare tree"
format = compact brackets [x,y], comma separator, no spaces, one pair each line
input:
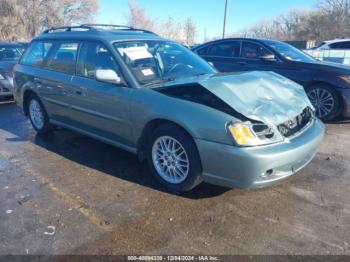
[337,16]
[172,30]
[11,25]
[190,31]
[330,19]
[138,18]
[22,20]
[169,28]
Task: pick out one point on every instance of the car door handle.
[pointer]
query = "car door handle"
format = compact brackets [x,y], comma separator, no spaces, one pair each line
[78,91]
[60,85]
[242,63]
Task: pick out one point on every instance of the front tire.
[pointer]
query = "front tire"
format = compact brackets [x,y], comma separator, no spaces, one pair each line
[37,115]
[173,158]
[325,100]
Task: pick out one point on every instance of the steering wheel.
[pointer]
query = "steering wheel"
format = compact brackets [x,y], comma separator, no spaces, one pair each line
[176,67]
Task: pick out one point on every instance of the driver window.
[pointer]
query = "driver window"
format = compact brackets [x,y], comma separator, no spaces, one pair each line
[253,51]
[95,56]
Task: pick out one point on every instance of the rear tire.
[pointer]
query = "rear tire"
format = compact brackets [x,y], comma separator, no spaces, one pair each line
[325,100]
[37,115]
[173,158]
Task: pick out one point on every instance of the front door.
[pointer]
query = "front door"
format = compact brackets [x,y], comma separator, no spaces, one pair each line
[251,58]
[100,108]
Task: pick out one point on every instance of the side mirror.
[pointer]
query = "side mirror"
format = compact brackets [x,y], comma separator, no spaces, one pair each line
[108,75]
[270,58]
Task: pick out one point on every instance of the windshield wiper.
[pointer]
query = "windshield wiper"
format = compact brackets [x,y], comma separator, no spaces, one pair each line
[159,81]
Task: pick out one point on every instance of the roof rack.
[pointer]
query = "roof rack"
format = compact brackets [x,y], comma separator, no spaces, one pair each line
[106,25]
[62,28]
[94,27]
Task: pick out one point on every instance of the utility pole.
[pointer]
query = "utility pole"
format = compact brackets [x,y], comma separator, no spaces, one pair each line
[225,14]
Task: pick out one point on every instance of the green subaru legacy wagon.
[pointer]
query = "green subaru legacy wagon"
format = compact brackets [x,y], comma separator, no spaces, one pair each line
[155,98]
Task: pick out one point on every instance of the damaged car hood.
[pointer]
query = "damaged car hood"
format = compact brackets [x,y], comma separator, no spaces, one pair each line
[260,96]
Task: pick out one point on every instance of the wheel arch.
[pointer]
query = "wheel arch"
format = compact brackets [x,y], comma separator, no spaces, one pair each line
[27,93]
[318,82]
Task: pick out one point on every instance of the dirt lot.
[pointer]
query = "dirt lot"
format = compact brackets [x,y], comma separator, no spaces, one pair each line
[69,194]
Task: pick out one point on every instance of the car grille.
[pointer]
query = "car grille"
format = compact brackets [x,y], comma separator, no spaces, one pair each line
[297,124]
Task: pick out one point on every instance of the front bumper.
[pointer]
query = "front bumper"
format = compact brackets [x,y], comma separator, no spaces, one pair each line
[345,94]
[257,167]
[6,87]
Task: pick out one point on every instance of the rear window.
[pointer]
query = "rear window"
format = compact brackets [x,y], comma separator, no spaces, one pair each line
[203,50]
[36,53]
[340,45]
[63,57]
[225,49]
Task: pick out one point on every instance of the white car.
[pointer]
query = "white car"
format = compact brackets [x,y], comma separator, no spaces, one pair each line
[342,44]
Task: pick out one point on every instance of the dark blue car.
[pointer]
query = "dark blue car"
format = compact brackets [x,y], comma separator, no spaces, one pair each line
[327,84]
[10,53]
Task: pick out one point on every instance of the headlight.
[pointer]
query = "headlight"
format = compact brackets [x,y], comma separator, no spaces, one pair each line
[2,77]
[345,79]
[249,134]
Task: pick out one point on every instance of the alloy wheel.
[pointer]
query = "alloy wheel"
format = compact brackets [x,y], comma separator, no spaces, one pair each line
[322,100]
[170,160]
[36,114]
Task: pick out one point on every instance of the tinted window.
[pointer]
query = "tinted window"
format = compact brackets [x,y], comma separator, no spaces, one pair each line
[253,51]
[63,57]
[225,49]
[36,53]
[10,53]
[203,50]
[340,45]
[95,56]
[289,52]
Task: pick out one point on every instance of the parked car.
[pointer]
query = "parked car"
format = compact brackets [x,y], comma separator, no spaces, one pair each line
[326,84]
[157,99]
[9,55]
[336,44]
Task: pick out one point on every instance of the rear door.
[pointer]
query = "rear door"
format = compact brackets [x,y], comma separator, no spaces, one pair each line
[44,69]
[224,55]
[57,79]
[97,107]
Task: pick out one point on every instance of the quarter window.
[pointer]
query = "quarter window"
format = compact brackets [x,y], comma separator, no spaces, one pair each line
[253,51]
[36,53]
[95,56]
[225,49]
[63,58]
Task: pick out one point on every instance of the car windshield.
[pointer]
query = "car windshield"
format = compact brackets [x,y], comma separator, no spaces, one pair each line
[154,62]
[289,52]
[10,53]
